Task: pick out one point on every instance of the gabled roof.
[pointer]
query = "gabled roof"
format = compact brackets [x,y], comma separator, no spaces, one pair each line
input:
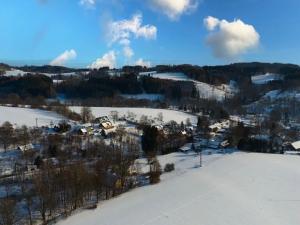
[25,148]
[296,145]
[83,130]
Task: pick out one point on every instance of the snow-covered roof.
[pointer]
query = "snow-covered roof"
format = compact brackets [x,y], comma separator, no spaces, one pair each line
[107,125]
[25,148]
[186,147]
[296,145]
[83,130]
[215,126]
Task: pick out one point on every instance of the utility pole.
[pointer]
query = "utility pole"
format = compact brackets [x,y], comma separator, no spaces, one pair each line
[36,122]
[199,150]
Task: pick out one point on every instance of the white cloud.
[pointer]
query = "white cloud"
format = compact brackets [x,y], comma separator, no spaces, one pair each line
[64,57]
[107,60]
[143,63]
[125,42]
[88,3]
[211,23]
[128,52]
[229,40]
[174,8]
[125,29]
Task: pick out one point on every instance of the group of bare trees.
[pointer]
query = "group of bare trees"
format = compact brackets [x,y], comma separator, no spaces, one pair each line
[70,181]
[10,136]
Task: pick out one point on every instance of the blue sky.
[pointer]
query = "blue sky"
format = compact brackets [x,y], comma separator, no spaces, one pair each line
[79,32]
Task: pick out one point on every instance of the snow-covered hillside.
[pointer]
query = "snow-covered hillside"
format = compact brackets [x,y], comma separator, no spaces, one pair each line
[265,78]
[168,115]
[172,76]
[26,116]
[218,93]
[205,90]
[277,94]
[14,73]
[236,189]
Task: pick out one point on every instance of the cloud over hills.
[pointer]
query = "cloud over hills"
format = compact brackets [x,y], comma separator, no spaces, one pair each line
[229,40]
[123,31]
[63,58]
[143,63]
[107,60]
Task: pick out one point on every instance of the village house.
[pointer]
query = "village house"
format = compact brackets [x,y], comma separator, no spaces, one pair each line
[82,131]
[292,148]
[25,148]
[296,145]
[104,123]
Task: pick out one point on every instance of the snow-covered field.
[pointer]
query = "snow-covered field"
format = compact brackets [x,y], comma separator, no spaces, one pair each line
[172,76]
[26,116]
[14,73]
[168,115]
[265,78]
[208,91]
[235,189]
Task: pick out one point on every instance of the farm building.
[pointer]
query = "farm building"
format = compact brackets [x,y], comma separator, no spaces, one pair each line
[296,146]
[104,123]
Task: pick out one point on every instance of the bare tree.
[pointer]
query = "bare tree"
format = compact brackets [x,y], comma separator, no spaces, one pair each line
[160,117]
[114,115]
[155,171]
[6,134]
[27,193]
[7,210]
[23,136]
[86,114]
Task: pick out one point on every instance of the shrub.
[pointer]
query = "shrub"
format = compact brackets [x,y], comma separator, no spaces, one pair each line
[169,167]
[155,172]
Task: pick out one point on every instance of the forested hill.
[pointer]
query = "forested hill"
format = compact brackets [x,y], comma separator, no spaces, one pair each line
[239,72]
[50,69]
[4,67]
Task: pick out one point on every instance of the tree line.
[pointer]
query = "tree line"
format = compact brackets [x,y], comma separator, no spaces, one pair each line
[73,172]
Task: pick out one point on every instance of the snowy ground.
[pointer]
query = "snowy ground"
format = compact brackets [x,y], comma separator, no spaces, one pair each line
[265,78]
[218,93]
[277,94]
[168,115]
[205,90]
[172,76]
[26,116]
[15,72]
[235,189]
